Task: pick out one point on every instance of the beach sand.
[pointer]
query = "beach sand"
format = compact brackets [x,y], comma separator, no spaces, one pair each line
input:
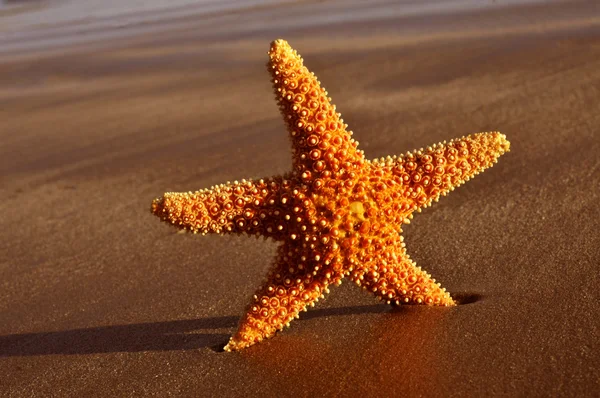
[98,298]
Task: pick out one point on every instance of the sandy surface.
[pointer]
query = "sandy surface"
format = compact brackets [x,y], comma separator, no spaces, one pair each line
[98,298]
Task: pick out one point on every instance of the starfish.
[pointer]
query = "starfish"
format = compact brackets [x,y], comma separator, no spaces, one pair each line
[336,214]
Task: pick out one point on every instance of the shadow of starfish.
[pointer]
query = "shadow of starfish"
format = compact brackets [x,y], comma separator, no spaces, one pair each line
[179,335]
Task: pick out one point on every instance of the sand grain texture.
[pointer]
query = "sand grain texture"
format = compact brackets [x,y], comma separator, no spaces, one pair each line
[98,298]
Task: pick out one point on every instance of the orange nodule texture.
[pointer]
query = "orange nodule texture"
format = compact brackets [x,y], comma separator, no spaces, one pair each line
[335,213]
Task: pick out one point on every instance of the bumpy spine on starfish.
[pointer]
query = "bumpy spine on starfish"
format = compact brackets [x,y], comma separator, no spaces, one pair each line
[322,147]
[437,170]
[300,278]
[253,207]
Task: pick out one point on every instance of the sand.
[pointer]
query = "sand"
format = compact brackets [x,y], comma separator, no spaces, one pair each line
[98,298]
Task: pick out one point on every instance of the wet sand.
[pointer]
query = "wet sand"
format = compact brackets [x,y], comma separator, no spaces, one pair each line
[98,298]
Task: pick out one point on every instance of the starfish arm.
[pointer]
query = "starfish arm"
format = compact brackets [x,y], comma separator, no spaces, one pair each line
[300,277]
[429,173]
[253,207]
[321,145]
[393,277]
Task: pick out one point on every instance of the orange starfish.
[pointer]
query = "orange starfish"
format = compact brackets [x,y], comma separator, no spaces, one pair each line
[336,213]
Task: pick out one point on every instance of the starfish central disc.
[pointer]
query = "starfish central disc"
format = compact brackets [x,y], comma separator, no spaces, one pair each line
[336,213]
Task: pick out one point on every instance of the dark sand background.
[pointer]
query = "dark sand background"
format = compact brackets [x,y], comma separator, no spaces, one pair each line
[98,298]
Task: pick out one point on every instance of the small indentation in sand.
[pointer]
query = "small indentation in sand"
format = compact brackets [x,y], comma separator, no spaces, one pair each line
[218,347]
[467,298]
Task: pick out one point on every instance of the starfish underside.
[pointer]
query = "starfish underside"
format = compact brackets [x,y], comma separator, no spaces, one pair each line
[336,213]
